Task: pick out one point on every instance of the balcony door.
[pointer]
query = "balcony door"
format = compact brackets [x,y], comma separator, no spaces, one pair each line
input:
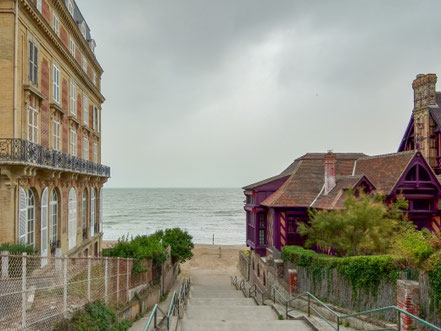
[44,228]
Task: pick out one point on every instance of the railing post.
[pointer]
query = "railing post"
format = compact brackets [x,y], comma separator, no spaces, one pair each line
[106,274]
[286,309]
[156,311]
[5,264]
[309,306]
[65,286]
[88,278]
[274,295]
[338,323]
[399,321]
[23,291]
[117,281]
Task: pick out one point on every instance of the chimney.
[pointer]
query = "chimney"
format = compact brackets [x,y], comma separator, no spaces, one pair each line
[424,93]
[330,161]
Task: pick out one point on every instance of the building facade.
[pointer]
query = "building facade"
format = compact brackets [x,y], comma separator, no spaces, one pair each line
[51,176]
[275,206]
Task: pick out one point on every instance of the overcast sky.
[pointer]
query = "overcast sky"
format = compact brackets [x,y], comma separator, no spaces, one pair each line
[225,93]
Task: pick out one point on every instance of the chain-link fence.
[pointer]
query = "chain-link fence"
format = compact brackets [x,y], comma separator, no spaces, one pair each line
[36,292]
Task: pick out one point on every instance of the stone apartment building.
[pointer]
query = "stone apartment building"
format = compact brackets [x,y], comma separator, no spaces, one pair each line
[51,176]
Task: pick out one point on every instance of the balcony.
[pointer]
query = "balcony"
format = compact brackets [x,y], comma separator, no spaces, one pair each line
[20,151]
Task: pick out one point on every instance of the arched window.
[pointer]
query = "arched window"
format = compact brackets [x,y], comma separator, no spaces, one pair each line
[84,213]
[92,211]
[31,218]
[72,219]
[53,219]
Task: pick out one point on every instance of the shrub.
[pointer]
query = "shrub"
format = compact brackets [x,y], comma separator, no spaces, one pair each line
[180,242]
[16,249]
[95,317]
[413,245]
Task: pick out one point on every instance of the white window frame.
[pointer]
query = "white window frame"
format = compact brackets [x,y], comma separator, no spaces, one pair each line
[33,63]
[32,124]
[95,152]
[98,117]
[83,29]
[84,209]
[73,142]
[56,83]
[85,109]
[72,219]
[85,148]
[30,218]
[56,24]
[92,211]
[94,114]
[53,217]
[94,77]
[72,46]
[56,134]
[73,99]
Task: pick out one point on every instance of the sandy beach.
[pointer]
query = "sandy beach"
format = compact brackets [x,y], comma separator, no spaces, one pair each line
[206,257]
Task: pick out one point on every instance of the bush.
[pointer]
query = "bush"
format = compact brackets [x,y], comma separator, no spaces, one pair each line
[139,248]
[16,249]
[95,317]
[153,247]
[180,242]
[413,245]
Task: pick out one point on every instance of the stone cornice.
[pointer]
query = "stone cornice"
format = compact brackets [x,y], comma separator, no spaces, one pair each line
[55,40]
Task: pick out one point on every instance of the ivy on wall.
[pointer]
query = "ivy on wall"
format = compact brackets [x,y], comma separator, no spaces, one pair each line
[363,272]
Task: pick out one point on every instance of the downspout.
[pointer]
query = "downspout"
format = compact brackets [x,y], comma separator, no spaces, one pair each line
[15,67]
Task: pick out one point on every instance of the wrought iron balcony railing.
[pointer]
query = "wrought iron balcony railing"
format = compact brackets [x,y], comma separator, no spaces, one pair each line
[25,152]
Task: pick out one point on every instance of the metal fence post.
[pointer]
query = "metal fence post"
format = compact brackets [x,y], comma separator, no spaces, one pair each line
[23,291]
[5,264]
[309,306]
[117,281]
[399,321]
[127,278]
[88,278]
[106,273]
[65,286]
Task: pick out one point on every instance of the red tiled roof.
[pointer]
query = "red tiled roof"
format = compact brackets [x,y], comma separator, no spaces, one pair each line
[306,180]
[384,171]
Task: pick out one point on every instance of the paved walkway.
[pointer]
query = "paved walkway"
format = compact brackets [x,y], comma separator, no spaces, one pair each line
[216,305]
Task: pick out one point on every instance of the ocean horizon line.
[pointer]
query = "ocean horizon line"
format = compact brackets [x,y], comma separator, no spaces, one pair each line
[174,188]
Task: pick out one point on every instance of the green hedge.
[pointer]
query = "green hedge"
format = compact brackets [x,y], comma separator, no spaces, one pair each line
[363,272]
[17,249]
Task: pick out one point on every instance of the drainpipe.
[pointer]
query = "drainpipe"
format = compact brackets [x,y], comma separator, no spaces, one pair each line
[15,68]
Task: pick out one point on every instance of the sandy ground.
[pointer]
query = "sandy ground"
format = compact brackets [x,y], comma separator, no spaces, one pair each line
[206,257]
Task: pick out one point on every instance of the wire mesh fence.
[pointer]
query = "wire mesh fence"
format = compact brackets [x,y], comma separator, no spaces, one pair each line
[36,292]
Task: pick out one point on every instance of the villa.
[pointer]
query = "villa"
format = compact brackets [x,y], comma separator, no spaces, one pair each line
[275,206]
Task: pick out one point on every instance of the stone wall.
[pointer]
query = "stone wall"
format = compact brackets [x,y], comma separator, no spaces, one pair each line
[243,265]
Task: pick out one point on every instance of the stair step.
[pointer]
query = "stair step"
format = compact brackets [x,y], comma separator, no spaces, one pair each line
[275,325]
[234,313]
[213,293]
[222,302]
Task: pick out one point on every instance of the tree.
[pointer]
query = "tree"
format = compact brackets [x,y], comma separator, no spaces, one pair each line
[363,227]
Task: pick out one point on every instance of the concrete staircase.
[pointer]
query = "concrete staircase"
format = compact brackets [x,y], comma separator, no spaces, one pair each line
[214,304]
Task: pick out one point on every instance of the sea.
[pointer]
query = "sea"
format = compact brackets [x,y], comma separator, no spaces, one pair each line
[203,212]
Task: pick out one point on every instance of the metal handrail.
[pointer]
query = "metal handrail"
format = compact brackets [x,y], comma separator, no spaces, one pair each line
[176,301]
[253,293]
[340,317]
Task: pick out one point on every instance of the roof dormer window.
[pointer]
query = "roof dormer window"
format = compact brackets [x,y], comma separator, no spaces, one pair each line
[70,7]
[92,44]
[83,28]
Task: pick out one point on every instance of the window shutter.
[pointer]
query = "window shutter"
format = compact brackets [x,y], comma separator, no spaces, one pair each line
[44,228]
[72,220]
[22,214]
[36,65]
[31,60]
[92,212]
[101,210]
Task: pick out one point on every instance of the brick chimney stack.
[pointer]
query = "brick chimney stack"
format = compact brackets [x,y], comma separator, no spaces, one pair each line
[330,161]
[424,91]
